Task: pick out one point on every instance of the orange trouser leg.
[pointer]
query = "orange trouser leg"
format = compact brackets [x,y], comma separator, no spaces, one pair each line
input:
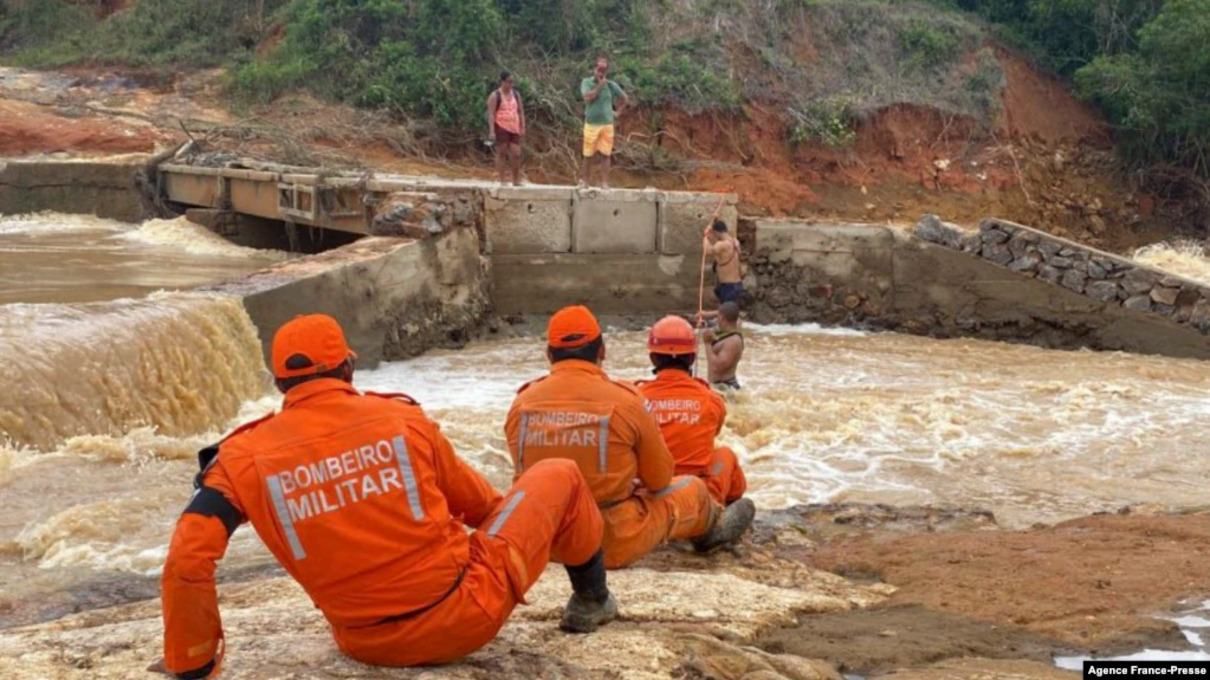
[646,520]
[724,477]
[548,514]
[550,508]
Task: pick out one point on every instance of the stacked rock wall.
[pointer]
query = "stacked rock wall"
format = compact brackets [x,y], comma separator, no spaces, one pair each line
[1095,274]
[1002,282]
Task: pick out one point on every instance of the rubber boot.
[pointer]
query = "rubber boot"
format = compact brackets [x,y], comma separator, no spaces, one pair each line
[729,527]
[591,604]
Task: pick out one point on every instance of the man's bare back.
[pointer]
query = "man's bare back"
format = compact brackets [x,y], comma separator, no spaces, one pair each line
[725,253]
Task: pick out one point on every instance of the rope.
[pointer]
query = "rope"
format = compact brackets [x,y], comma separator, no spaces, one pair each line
[701,285]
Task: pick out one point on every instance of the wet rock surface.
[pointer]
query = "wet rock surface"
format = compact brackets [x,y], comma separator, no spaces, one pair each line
[983,669]
[882,639]
[1094,583]
[699,618]
[912,592]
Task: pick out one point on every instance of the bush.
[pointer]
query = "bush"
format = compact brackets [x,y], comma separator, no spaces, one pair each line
[929,45]
[45,31]
[430,58]
[830,121]
[152,32]
[691,76]
[1160,94]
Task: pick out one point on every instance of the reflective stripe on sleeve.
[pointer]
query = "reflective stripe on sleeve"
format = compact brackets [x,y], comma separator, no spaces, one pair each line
[283,517]
[409,477]
[603,444]
[524,431]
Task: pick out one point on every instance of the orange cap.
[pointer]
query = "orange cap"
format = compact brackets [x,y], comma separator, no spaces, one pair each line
[572,327]
[309,344]
[672,335]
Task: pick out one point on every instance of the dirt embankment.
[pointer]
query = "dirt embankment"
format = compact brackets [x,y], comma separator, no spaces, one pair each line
[965,589]
[1046,161]
[29,129]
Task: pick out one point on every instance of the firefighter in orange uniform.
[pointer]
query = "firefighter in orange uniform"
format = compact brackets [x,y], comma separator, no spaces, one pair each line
[364,502]
[689,413]
[578,413]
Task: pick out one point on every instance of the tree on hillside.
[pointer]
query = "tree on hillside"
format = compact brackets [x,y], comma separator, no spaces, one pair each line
[1159,94]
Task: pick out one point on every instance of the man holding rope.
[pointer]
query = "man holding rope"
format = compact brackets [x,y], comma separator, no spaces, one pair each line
[723,251]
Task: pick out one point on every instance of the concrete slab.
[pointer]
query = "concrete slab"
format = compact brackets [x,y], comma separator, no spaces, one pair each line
[683,216]
[609,283]
[796,236]
[104,188]
[528,220]
[614,222]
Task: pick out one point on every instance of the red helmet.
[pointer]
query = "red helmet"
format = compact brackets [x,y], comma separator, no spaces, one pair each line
[672,335]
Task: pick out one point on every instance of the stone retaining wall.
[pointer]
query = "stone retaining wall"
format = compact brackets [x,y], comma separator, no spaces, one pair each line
[1101,276]
[936,281]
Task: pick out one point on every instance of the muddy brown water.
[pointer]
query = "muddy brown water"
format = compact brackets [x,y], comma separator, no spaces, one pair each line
[101,448]
[58,258]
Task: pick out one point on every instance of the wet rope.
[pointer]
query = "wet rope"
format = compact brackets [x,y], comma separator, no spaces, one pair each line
[701,284]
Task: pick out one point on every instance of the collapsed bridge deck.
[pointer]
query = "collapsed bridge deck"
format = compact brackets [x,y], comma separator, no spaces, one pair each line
[631,250]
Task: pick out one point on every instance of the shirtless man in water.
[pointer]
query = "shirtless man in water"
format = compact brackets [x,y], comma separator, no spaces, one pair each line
[723,250]
[725,347]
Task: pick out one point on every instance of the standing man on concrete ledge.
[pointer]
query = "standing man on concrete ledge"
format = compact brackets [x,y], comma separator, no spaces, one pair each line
[600,95]
[723,250]
[364,502]
[579,413]
[724,348]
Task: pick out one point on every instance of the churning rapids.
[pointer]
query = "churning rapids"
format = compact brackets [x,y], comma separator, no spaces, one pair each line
[100,445]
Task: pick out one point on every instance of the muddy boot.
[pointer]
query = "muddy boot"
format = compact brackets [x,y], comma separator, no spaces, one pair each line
[591,605]
[729,527]
[584,614]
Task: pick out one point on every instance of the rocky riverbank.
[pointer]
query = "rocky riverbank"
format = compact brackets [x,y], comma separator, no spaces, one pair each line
[867,590]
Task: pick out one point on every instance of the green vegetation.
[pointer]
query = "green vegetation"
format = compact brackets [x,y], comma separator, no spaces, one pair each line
[157,33]
[1145,63]
[434,61]
[825,64]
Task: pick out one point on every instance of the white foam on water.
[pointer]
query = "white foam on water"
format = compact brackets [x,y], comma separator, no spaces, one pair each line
[1183,258]
[835,414]
[783,329]
[1076,663]
[1192,621]
[1033,435]
[184,236]
[1186,621]
[51,222]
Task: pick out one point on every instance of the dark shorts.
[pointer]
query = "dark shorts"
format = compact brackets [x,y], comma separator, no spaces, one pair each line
[729,292]
[505,137]
[728,384]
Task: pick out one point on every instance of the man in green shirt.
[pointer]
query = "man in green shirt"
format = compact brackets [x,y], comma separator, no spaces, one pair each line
[600,94]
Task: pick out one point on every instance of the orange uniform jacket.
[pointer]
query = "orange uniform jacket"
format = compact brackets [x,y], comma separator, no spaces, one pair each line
[360,497]
[578,412]
[690,416]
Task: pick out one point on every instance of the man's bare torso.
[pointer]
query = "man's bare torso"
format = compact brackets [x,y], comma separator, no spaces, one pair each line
[726,260]
[724,357]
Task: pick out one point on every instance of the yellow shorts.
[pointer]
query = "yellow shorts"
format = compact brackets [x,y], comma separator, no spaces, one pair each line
[598,139]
